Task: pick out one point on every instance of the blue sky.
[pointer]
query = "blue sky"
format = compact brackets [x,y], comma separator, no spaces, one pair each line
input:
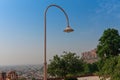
[22,27]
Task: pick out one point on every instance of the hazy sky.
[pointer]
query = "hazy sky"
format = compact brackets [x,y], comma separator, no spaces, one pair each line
[22,27]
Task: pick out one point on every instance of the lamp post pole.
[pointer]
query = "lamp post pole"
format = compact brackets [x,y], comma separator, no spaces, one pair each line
[68,29]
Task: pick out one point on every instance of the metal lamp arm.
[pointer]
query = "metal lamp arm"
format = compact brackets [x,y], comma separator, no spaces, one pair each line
[60,9]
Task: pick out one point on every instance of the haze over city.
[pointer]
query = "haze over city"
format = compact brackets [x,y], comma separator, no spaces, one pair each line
[22,28]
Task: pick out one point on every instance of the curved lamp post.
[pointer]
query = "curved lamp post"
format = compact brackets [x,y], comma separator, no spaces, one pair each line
[67,29]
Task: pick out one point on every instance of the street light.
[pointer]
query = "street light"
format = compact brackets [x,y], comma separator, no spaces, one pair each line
[67,29]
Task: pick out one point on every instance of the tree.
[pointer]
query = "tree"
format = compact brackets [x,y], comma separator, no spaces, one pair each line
[116,74]
[110,68]
[65,65]
[109,43]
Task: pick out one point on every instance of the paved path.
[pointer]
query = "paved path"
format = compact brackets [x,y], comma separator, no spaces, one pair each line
[89,78]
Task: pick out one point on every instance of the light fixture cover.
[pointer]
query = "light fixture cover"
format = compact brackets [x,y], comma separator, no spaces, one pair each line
[68,29]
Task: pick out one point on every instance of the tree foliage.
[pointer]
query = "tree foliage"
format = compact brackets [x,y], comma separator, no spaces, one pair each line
[90,68]
[108,50]
[65,65]
[110,68]
[116,74]
[109,43]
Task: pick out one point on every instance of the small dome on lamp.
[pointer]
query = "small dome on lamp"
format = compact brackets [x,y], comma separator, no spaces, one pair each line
[68,29]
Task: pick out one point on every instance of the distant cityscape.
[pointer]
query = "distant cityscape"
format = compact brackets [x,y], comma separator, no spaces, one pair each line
[35,72]
[24,72]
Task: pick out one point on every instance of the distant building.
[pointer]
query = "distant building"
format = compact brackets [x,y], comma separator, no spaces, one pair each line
[12,75]
[90,56]
[2,76]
